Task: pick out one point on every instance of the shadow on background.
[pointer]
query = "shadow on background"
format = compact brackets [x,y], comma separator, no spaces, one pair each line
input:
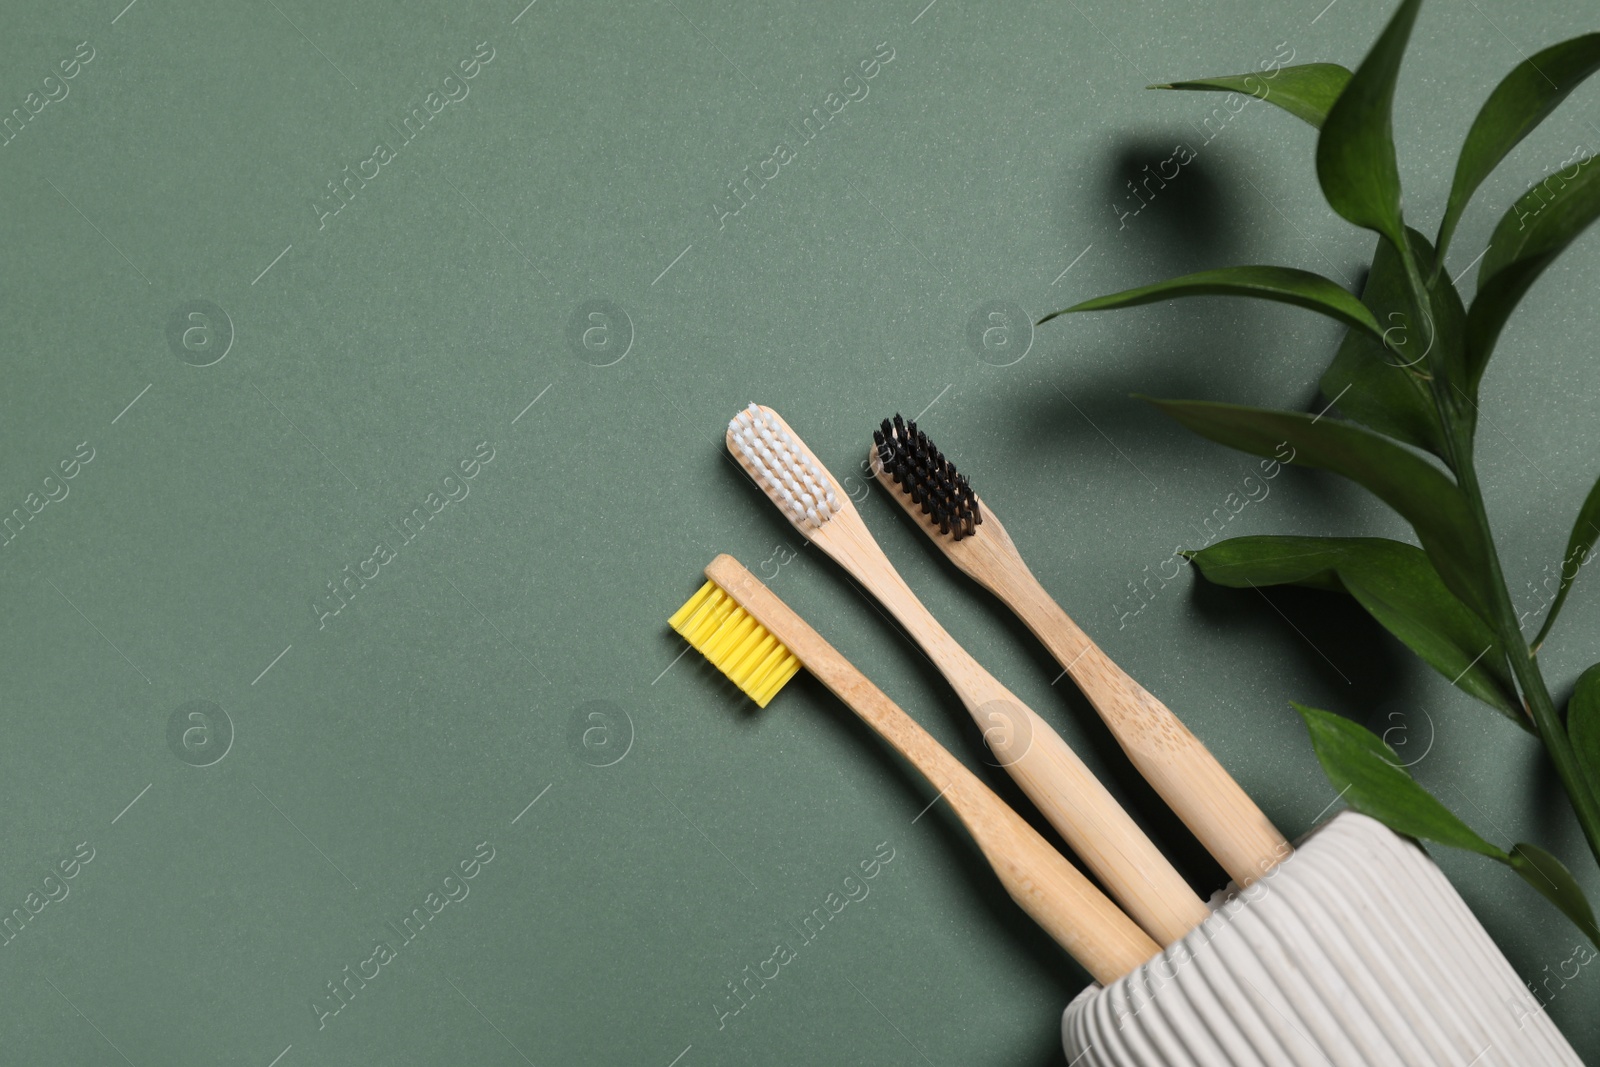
[1157,215]
[1177,215]
[1068,418]
[1329,636]
[1162,218]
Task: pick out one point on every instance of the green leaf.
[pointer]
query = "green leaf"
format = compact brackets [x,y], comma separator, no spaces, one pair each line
[1412,603]
[1583,725]
[1243,562]
[1533,233]
[1534,88]
[1355,153]
[1552,879]
[1384,386]
[1306,91]
[1584,532]
[1284,284]
[1397,586]
[1409,484]
[1370,779]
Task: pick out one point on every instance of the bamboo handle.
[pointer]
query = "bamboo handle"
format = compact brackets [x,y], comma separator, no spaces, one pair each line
[1181,769]
[1059,898]
[1063,788]
[1176,764]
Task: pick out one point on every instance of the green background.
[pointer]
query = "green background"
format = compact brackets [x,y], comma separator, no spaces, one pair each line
[366,758]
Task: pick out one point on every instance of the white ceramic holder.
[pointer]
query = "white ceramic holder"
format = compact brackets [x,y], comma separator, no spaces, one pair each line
[1353,952]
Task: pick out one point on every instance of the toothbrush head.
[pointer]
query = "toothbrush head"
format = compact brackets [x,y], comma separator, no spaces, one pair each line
[921,472]
[735,643]
[784,468]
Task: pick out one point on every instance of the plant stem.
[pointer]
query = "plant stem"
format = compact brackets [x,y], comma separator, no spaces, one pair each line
[1552,731]
[1458,423]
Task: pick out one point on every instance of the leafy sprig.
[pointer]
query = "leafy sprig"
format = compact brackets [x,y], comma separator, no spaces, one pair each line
[1405,381]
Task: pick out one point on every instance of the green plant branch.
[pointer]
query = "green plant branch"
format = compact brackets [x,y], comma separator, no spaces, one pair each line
[1524,667]
[1422,304]
[1446,599]
[1530,679]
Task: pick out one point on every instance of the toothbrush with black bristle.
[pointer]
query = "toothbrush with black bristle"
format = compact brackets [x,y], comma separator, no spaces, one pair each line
[1113,846]
[1197,787]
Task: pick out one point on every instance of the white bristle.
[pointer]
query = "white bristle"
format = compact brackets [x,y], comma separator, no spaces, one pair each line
[789,474]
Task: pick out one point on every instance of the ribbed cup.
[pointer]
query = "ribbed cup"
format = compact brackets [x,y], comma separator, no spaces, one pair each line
[1354,952]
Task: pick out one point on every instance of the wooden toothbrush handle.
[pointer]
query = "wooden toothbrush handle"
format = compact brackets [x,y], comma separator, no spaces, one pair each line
[1088,817]
[1197,787]
[1104,836]
[1059,898]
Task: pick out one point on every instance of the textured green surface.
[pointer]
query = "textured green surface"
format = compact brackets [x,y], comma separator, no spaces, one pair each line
[589,162]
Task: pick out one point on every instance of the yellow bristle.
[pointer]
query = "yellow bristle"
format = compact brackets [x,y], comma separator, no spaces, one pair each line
[751,662]
[741,658]
[766,659]
[676,622]
[712,607]
[734,643]
[726,640]
[776,679]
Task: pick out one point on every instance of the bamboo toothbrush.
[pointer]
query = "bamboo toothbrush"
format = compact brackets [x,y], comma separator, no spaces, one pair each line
[759,642]
[1220,814]
[1055,779]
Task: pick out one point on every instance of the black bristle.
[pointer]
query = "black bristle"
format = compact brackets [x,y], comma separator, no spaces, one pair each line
[928,477]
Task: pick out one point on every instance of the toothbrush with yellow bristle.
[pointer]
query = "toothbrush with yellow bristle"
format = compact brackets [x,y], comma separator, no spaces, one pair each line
[759,642]
[1054,778]
[1197,788]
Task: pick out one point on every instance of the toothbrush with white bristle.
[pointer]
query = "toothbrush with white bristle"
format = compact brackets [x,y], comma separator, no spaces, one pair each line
[1103,835]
